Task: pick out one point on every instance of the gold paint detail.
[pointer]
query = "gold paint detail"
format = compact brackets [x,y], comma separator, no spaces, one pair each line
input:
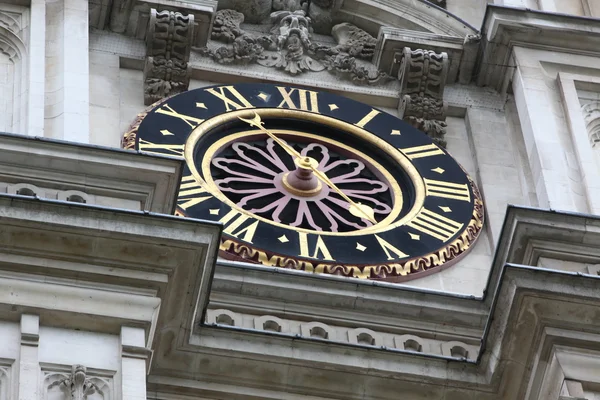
[161,149]
[165,132]
[360,247]
[394,272]
[299,192]
[283,239]
[367,118]
[201,105]
[263,96]
[320,252]
[427,150]
[333,107]
[395,132]
[388,248]
[447,190]
[234,220]
[166,109]
[414,236]
[191,193]
[308,100]
[222,93]
[214,211]
[436,225]
[439,170]
[389,222]
[445,209]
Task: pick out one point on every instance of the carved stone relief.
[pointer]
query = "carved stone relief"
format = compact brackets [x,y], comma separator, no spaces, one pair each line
[422,75]
[591,115]
[255,11]
[289,47]
[226,26]
[168,43]
[77,385]
[354,41]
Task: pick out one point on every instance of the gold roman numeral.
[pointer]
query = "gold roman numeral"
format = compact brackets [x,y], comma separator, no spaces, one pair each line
[321,252]
[308,99]
[389,249]
[448,190]
[367,118]
[435,225]
[161,149]
[191,193]
[224,93]
[427,150]
[234,221]
[188,119]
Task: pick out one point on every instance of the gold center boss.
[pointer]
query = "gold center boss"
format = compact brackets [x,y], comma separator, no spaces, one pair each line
[314,181]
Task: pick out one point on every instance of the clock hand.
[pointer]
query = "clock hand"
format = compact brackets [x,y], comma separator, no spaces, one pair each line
[355,209]
[257,122]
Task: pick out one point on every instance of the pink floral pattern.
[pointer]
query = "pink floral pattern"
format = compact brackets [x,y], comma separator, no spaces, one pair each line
[250,175]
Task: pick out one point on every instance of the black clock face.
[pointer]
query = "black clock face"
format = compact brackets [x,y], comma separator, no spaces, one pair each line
[314,181]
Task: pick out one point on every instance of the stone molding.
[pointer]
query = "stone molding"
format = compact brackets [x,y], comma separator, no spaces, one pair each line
[506,27]
[522,303]
[87,174]
[341,334]
[422,76]
[168,43]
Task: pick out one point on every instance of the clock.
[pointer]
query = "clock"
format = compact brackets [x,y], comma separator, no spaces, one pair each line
[314,181]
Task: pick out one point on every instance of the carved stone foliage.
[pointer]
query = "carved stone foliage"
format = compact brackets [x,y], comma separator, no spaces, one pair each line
[289,47]
[255,11]
[168,43]
[226,26]
[591,115]
[423,75]
[77,385]
[354,41]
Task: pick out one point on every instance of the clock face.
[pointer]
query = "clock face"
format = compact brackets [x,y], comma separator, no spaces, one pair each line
[314,181]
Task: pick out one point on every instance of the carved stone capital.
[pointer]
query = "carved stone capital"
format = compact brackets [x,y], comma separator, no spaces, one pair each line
[423,75]
[591,116]
[168,43]
[77,384]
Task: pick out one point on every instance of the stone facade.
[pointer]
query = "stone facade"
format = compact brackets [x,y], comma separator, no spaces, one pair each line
[106,295]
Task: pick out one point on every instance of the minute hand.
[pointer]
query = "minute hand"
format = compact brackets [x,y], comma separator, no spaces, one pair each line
[355,208]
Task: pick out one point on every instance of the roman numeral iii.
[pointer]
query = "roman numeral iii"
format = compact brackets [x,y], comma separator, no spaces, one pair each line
[436,225]
[448,190]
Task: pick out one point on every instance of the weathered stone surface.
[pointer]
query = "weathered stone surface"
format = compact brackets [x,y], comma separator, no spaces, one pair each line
[168,44]
[321,15]
[354,41]
[255,11]
[226,26]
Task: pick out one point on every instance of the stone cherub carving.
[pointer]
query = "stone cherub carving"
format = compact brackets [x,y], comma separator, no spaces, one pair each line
[226,26]
[291,32]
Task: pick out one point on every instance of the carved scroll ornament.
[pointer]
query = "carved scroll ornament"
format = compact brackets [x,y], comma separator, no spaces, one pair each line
[168,43]
[422,75]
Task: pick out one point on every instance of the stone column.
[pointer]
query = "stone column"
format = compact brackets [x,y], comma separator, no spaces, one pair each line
[545,133]
[28,358]
[36,63]
[67,70]
[134,359]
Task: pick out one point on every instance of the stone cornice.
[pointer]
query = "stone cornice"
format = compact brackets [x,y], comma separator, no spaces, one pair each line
[506,27]
[522,303]
[152,181]
[88,267]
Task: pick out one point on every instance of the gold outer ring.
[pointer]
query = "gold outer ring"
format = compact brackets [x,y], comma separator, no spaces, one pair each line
[385,225]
